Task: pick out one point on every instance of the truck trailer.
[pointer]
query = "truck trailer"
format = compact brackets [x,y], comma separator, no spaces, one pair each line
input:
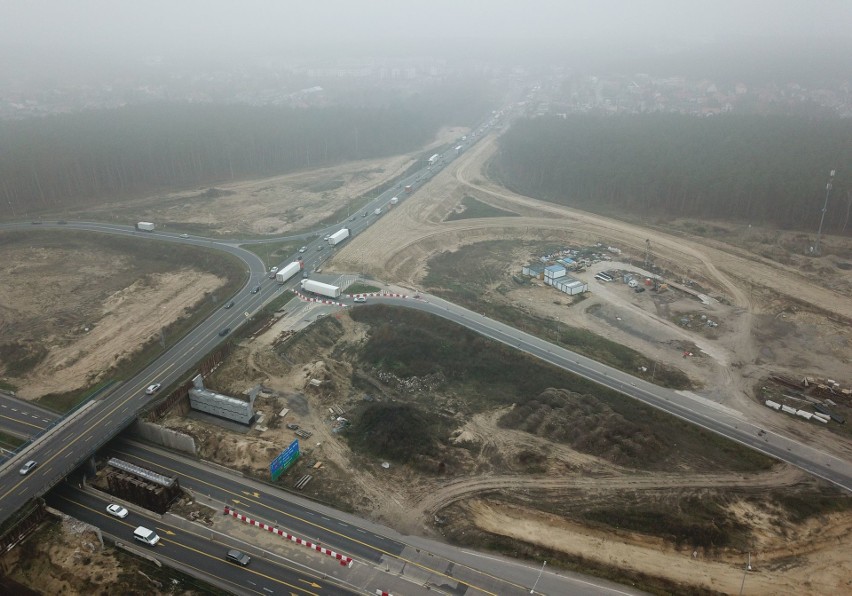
[286,273]
[338,237]
[328,290]
[145,226]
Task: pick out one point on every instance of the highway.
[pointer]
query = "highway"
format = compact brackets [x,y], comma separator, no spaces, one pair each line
[69,442]
[196,550]
[21,418]
[407,559]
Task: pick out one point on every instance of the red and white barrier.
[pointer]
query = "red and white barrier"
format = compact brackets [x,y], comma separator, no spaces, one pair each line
[344,560]
[378,295]
[304,298]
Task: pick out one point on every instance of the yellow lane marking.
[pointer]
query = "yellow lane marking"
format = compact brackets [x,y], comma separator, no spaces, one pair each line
[22,422]
[336,533]
[195,550]
[133,394]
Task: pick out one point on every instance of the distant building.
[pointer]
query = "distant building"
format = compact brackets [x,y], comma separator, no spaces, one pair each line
[570,285]
[533,270]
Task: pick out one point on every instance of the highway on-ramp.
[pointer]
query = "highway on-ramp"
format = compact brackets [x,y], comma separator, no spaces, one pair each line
[685,405]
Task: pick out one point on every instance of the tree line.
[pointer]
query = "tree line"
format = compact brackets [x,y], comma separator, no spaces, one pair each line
[66,161]
[757,169]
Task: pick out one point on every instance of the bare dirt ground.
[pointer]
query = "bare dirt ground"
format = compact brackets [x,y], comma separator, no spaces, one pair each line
[86,317]
[66,557]
[277,205]
[397,248]
[760,314]
[787,557]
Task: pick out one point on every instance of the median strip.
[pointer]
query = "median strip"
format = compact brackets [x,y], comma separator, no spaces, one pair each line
[344,560]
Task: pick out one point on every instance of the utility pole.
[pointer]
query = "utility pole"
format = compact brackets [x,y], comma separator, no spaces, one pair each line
[747,569]
[647,254]
[828,187]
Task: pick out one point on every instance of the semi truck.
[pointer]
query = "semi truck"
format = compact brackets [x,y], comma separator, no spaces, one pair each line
[459,149]
[338,237]
[434,159]
[408,188]
[328,290]
[145,226]
[286,273]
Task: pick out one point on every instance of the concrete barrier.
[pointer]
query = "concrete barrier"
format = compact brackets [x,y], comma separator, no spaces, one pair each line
[166,437]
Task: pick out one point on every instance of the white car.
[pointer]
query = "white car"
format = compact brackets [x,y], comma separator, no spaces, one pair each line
[25,469]
[184,235]
[303,249]
[359,299]
[152,389]
[274,270]
[326,237]
[117,510]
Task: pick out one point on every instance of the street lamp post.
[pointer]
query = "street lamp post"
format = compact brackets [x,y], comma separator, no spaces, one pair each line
[538,578]
[828,187]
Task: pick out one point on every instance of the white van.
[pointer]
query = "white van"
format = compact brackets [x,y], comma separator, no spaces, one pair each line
[145,535]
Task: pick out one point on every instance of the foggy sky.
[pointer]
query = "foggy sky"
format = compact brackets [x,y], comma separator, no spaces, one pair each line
[249,26]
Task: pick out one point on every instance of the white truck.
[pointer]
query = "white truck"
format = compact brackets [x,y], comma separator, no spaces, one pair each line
[434,159]
[338,237]
[145,226]
[328,290]
[459,149]
[286,273]
[394,201]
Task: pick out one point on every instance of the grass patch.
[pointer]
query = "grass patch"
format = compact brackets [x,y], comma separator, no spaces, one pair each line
[7,386]
[65,402]
[260,318]
[274,252]
[464,277]
[489,374]
[10,441]
[20,357]
[397,432]
[474,208]
[359,288]
[693,522]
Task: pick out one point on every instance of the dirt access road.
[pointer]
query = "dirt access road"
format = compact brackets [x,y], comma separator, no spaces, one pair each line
[397,248]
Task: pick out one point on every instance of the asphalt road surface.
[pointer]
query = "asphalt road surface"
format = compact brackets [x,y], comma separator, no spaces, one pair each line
[685,405]
[195,549]
[407,559]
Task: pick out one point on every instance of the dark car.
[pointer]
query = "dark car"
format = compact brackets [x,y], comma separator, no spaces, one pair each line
[293,426]
[639,290]
[255,290]
[230,304]
[238,557]
[224,331]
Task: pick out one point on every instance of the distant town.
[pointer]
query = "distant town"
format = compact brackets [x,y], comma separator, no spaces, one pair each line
[562,91]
